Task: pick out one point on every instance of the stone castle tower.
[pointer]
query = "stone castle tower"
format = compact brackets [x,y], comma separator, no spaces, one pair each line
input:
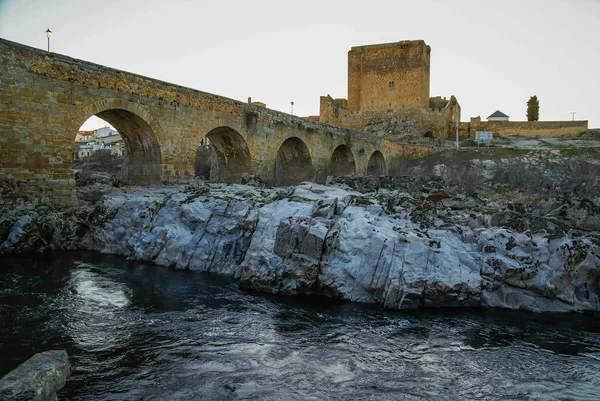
[388,75]
[389,83]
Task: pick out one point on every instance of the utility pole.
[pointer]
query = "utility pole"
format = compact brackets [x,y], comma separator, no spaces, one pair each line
[573,116]
[457,122]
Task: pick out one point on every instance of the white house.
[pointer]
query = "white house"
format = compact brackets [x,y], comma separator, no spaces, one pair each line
[88,142]
[103,132]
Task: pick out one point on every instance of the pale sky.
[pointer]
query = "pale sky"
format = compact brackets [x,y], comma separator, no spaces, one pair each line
[490,55]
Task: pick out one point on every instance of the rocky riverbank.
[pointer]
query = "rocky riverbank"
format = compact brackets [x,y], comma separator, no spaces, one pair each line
[415,241]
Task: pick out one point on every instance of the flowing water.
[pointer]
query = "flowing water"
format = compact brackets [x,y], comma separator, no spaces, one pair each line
[142,332]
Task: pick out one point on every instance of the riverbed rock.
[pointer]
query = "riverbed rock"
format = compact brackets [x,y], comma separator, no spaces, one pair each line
[181,230]
[363,184]
[401,250]
[197,186]
[538,274]
[88,178]
[276,264]
[394,263]
[252,180]
[94,192]
[14,232]
[38,378]
[363,255]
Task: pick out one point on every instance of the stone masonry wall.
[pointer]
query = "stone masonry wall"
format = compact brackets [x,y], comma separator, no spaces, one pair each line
[439,122]
[46,97]
[529,128]
[389,75]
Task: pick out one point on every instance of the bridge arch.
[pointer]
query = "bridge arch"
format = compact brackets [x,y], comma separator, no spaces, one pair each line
[140,132]
[229,155]
[293,163]
[376,166]
[342,161]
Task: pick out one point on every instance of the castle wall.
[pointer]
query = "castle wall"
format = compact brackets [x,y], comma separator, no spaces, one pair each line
[385,76]
[438,121]
[529,128]
[390,83]
[354,79]
[464,130]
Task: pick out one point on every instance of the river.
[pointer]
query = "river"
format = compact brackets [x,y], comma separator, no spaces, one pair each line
[142,332]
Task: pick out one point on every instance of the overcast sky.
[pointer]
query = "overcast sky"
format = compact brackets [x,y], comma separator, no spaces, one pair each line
[490,55]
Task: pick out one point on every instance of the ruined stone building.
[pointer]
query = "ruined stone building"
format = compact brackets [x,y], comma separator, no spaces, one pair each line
[389,83]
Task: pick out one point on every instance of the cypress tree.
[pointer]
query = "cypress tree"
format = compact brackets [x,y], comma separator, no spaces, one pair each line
[533,109]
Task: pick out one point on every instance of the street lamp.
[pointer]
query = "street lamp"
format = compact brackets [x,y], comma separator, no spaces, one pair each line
[292,103]
[48,34]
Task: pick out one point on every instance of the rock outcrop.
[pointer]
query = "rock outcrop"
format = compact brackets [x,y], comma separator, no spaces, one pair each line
[38,378]
[426,248]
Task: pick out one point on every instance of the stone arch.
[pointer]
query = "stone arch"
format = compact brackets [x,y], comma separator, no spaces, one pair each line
[376,166]
[342,161]
[141,133]
[293,163]
[229,154]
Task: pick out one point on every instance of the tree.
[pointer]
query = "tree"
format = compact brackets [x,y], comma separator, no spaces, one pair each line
[533,109]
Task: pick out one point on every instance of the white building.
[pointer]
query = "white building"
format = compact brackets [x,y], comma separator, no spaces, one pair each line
[88,142]
[103,132]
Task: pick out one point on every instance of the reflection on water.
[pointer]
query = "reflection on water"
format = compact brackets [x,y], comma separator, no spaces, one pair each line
[98,293]
[141,332]
[94,309]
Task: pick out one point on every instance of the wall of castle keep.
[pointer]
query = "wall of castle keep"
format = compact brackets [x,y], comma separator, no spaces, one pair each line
[388,75]
[46,97]
[528,128]
[438,121]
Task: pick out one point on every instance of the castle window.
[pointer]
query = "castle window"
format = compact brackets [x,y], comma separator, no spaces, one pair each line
[391,85]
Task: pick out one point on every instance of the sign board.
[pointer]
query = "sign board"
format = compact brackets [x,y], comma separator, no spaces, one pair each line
[484,136]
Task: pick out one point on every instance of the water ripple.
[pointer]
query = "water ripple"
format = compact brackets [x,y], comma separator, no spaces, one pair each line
[141,332]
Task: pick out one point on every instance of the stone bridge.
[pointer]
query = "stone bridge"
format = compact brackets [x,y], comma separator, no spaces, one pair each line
[46,97]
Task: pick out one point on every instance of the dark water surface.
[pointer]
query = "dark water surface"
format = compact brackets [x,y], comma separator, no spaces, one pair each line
[141,332]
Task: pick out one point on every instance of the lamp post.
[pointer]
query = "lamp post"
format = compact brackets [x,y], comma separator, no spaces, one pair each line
[292,103]
[48,34]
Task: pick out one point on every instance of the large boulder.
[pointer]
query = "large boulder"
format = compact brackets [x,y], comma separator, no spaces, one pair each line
[38,378]
[539,274]
[341,246]
[181,230]
[394,263]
